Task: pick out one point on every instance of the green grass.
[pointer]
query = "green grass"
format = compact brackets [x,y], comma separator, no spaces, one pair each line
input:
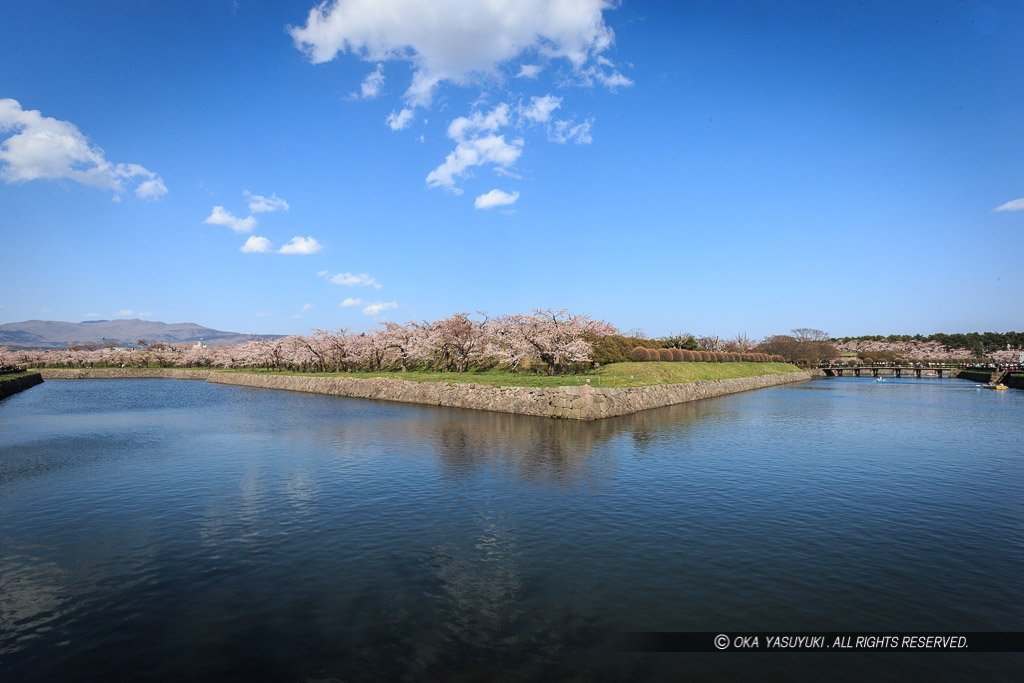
[642,374]
[612,375]
[15,375]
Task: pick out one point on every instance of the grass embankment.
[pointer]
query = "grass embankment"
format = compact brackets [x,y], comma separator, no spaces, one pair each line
[612,375]
[15,375]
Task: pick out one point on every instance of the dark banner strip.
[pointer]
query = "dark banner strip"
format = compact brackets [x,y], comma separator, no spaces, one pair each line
[816,641]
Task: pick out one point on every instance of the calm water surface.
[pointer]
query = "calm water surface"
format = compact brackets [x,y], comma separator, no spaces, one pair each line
[178,530]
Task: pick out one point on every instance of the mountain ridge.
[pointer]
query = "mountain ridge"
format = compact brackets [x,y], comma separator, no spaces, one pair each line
[50,334]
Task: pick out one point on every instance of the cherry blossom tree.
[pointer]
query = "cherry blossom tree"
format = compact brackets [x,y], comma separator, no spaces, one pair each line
[556,337]
[464,338]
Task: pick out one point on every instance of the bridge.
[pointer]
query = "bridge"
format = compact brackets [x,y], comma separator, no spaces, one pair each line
[895,370]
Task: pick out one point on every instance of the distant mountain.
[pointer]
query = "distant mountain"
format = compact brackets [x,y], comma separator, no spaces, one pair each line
[54,334]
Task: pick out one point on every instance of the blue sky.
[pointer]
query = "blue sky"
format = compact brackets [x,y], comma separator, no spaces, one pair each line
[712,167]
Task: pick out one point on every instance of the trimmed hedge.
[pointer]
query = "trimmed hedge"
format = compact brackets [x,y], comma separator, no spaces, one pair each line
[675,355]
[639,354]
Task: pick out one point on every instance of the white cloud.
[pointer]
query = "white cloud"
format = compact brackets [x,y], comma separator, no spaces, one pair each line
[350,280]
[351,302]
[483,150]
[477,145]
[529,71]
[570,131]
[495,198]
[505,173]
[456,40]
[221,217]
[124,312]
[257,245]
[151,189]
[465,126]
[321,273]
[307,307]
[260,204]
[373,83]
[613,80]
[380,306]
[1015,205]
[401,120]
[147,314]
[42,147]
[540,108]
[301,245]
[471,42]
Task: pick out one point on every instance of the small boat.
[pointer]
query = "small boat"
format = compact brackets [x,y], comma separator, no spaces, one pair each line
[993,386]
[879,380]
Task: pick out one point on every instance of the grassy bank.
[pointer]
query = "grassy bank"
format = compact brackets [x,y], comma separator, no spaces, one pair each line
[14,376]
[612,375]
[18,381]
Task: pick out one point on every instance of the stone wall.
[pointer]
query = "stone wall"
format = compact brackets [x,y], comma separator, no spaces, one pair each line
[572,402]
[13,386]
[976,375]
[123,373]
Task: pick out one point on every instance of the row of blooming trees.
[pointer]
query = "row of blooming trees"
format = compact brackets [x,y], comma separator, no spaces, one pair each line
[549,339]
[546,340]
[914,349]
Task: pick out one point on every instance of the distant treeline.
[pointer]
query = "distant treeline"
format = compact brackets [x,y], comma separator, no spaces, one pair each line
[981,343]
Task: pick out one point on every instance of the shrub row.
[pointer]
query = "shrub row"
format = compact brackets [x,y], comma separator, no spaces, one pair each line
[641,353]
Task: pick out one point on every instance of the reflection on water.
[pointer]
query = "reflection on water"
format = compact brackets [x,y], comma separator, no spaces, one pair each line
[168,530]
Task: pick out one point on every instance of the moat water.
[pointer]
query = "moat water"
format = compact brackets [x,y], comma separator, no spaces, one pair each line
[157,530]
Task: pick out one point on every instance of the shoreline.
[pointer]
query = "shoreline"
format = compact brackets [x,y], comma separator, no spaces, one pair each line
[566,402]
[9,387]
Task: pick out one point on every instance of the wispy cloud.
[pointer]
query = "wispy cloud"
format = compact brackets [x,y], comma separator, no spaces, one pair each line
[126,311]
[307,307]
[260,204]
[45,148]
[301,245]
[221,217]
[477,144]
[529,70]
[495,198]
[257,245]
[570,131]
[401,120]
[351,302]
[379,307]
[1014,205]
[354,280]
[540,108]
[373,83]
